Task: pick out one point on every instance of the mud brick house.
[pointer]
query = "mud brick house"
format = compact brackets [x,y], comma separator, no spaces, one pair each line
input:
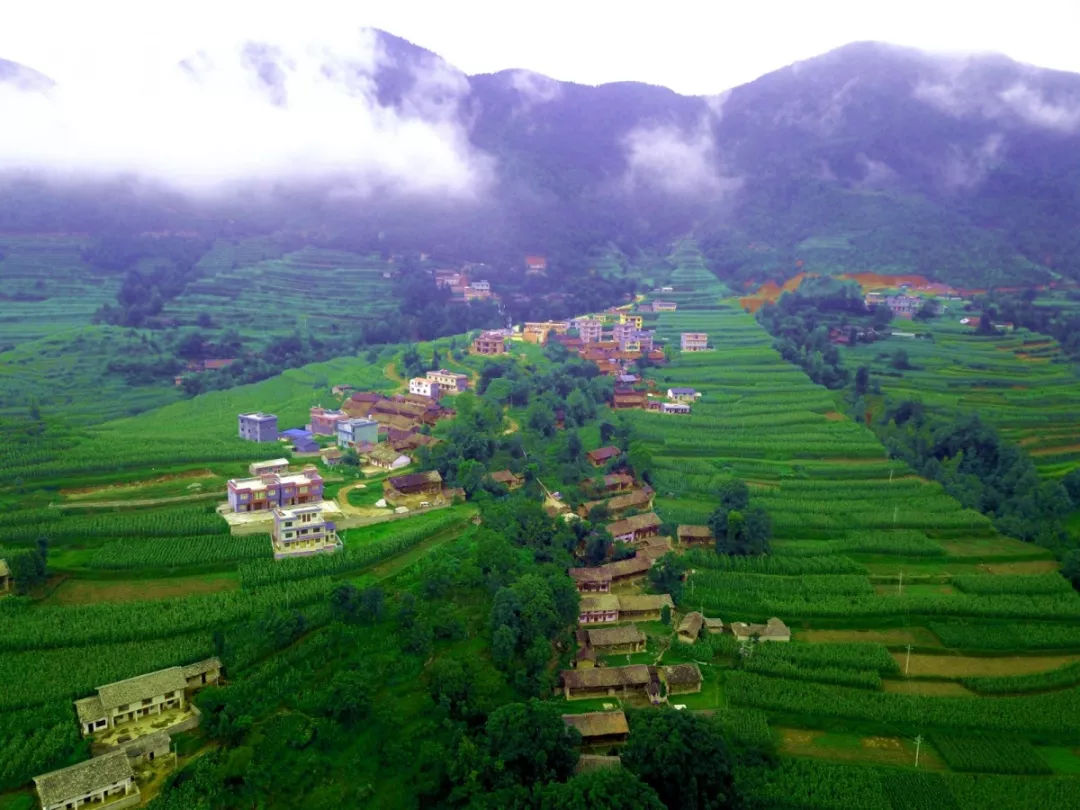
[7,582]
[690,627]
[635,529]
[274,490]
[772,630]
[105,779]
[605,681]
[599,728]
[508,479]
[257,427]
[425,483]
[643,607]
[598,609]
[690,535]
[623,638]
[682,679]
[602,455]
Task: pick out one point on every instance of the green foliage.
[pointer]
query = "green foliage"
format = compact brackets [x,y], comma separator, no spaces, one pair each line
[1011,583]
[1062,677]
[862,678]
[917,790]
[684,757]
[602,789]
[809,783]
[774,564]
[666,575]
[1032,636]
[856,656]
[988,753]
[179,551]
[36,740]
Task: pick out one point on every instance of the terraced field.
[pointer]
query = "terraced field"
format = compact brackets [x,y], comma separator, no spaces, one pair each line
[868,559]
[1020,382]
[47,287]
[311,287]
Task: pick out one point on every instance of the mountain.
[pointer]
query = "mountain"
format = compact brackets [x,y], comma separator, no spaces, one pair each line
[872,156]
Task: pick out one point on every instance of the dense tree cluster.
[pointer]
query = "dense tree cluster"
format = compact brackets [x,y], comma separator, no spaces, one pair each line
[739,528]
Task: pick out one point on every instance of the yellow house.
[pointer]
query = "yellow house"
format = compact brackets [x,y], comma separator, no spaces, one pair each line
[636,320]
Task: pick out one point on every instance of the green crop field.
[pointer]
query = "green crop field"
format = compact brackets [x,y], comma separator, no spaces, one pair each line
[1019,382]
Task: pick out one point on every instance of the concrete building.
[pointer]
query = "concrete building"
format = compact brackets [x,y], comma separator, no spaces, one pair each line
[489,343]
[274,490]
[590,330]
[694,341]
[324,422]
[274,465]
[302,531]
[357,431]
[257,427]
[105,779]
[664,306]
[449,381]
[674,407]
[125,701]
[682,394]
[425,387]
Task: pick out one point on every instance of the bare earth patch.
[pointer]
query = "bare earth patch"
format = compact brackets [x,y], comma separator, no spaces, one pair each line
[84,591]
[894,636]
[1053,451]
[963,666]
[132,486]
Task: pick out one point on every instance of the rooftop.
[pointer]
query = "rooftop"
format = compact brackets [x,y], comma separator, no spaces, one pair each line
[604,677]
[598,724]
[633,524]
[415,479]
[135,689]
[613,636]
[83,777]
[644,601]
[601,601]
[681,674]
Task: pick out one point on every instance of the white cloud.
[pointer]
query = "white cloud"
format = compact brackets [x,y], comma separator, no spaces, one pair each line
[966,168]
[675,160]
[1029,103]
[305,111]
[534,88]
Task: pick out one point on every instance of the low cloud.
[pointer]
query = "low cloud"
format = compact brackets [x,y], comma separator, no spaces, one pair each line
[676,160]
[534,88]
[967,168]
[1030,104]
[256,112]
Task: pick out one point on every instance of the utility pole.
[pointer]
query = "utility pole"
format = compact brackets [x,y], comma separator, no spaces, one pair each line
[907,660]
[918,745]
[900,586]
[895,510]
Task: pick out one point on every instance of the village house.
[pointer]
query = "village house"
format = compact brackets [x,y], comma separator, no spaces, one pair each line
[635,321]
[274,490]
[302,531]
[678,408]
[449,381]
[144,750]
[646,607]
[714,625]
[599,578]
[690,627]
[624,638]
[590,330]
[361,403]
[694,342]
[424,387]
[331,456]
[538,331]
[274,465]
[508,479]
[591,580]
[605,681]
[682,679]
[903,306]
[489,343]
[772,630]
[535,264]
[602,455]
[386,457]
[357,432]
[664,306]
[610,483]
[637,499]
[424,483]
[599,728]
[635,529]
[324,422]
[682,394]
[257,427]
[690,535]
[450,278]
[598,609]
[477,291]
[7,582]
[105,779]
[342,390]
[124,701]
[627,400]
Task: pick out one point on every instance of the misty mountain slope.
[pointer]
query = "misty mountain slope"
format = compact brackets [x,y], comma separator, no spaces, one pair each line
[966,168]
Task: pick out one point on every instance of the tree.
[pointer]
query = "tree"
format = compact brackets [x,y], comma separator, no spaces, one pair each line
[603,789]
[527,744]
[665,615]
[683,757]
[1070,567]
[862,380]
[733,494]
[667,573]
[350,695]
[899,360]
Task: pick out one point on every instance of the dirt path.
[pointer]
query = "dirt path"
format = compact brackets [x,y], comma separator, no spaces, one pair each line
[198,496]
[390,372]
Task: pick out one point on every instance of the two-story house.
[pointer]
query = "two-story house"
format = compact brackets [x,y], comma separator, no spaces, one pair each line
[257,427]
[275,489]
[302,531]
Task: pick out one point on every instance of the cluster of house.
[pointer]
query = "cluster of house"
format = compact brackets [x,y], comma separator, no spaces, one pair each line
[656,683]
[631,393]
[901,305]
[461,288]
[208,364]
[129,723]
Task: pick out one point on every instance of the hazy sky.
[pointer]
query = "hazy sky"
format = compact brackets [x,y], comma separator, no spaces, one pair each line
[692,47]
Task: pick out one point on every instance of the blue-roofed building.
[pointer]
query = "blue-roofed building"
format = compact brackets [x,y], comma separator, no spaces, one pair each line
[303,445]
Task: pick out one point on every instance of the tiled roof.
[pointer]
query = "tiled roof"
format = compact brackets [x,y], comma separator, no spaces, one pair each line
[682,674]
[89,709]
[199,667]
[150,685]
[604,677]
[602,601]
[77,780]
[633,524]
[614,636]
[415,479]
[598,724]
[646,601]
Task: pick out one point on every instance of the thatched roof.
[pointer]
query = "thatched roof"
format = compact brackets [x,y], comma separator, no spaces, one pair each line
[634,524]
[614,636]
[636,603]
[691,624]
[598,724]
[772,629]
[682,675]
[692,532]
[606,677]
[600,601]
[415,479]
[505,477]
[77,780]
[597,573]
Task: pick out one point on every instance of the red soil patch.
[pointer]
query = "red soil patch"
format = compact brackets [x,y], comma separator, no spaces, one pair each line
[835,416]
